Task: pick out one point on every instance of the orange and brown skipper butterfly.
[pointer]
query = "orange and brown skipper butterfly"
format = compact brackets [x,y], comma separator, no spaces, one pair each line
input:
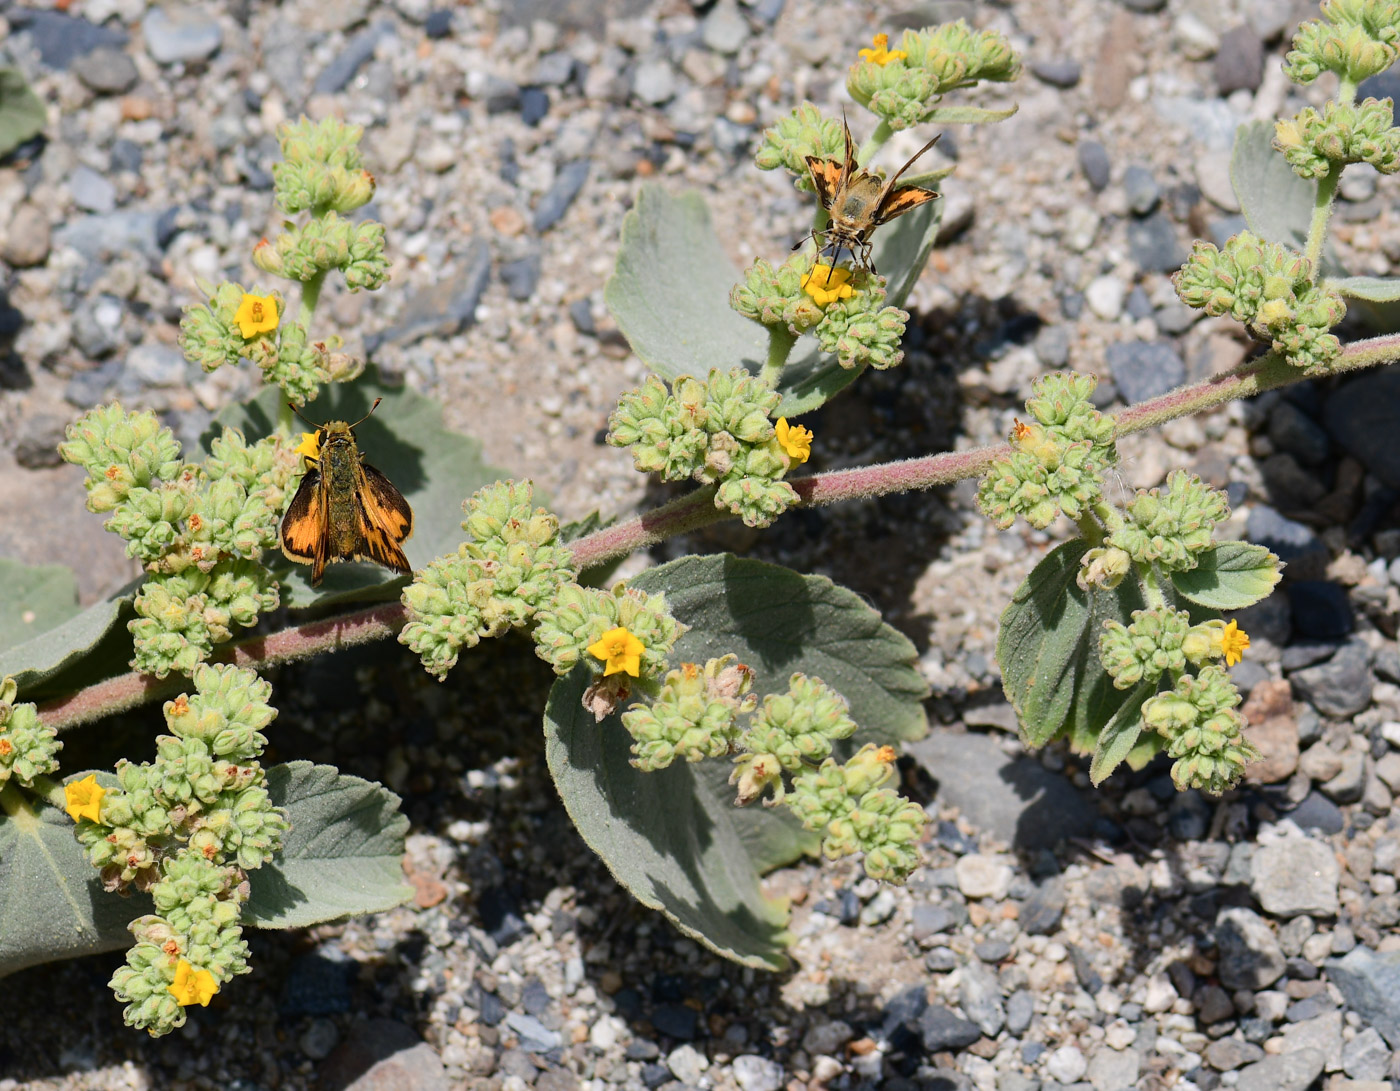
[859,200]
[344,509]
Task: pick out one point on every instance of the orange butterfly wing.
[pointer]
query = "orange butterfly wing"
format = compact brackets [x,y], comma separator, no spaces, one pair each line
[826,177]
[304,534]
[386,520]
[900,201]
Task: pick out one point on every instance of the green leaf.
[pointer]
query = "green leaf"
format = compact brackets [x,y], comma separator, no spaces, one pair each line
[967,115]
[342,857]
[34,599]
[670,296]
[78,651]
[1372,289]
[1276,203]
[50,899]
[22,114]
[1048,649]
[1229,576]
[1119,738]
[435,469]
[674,837]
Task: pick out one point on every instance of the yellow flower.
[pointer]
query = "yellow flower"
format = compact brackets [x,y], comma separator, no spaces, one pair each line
[794,439]
[620,650]
[192,986]
[256,314]
[882,54]
[83,798]
[1233,641]
[826,284]
[310,445]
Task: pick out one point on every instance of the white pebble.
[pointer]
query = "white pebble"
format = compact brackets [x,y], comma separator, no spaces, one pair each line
[981,876]
[1066,1064]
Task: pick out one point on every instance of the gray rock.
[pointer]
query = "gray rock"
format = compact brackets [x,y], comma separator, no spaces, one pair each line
[61,39]
[154,364]
[654,82]
[126,156]
[1226,1054]
[1290,487]
[97,327]
[1297,876]
[567,184]
[521,276]
[1363,416]
[1141,188]
[36,439]
[1284,1072]
[184,33]
[1317,812]
[1153,245]
[1350,782]
[445,309]
[1020,1010]
[112,235]
[1296,544]
[1249,957]
[108,71]
[941,1029]
[1322,1033]
[1051,346]
[319,1038]
[980,997]
[1292,430]
[931,920]
[1341,687]
[754,1073]
[1144,7]
[1145,369]
[1112,1069]
[1370,985]
[1057,73]
[1239,63]
[1093,161]
[1041,912]
[1017,799]
[351,59]
[554,69]
[28,240]
[724,29]
[91,192]
[383,1054]
[1366,1057]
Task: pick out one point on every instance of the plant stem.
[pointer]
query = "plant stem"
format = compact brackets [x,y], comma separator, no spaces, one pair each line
[696,510]
[310,296]
[874,143]
[780,342]
[1322,212]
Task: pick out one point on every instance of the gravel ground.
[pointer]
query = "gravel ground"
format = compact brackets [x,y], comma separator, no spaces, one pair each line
[1134,937]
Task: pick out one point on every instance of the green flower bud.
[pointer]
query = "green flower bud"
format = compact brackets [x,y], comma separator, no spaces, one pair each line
[1145,650]
[693,715]
[1170,528]
[754,774]
[28,748]
[755,500]
[1342,133]
[799,726]
[1104,568]
[804,132]
[120,451]
[1357,40]
[329,242]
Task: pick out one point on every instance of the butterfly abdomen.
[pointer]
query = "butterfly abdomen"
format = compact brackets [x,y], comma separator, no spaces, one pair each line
[340,465]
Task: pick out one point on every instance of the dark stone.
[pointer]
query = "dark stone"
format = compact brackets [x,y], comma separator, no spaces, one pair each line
[1020,1010]
[490,1006]
[358,50]
[556,202]
[674,1020]
[992,950]
[954,840]
[501,96]
[500,915]
[383,1053]
[1188,816]
[438,24]
[1058,73]
[126,156]
[1041,912]
[1296,544]
[1370,985]
[1141,189]
[1093,161]
[521,276]
[444,309]
[1305,653]
[1239,63]
[1321,609]
[581,315]
[1290,487]
[930,920]
[905,1007]
[1145,369]
[534,997]
[1363,416]
[1319,813]
[1153,245]
[1340,687]
[1144,7]
[1084,970]
[534,105]
[941,1030]
[61,39]
[1138,305]
[1292,430]
[318,984]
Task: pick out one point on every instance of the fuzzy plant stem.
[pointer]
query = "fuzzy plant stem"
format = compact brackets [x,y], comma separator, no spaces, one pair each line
[696,510]
[780,342]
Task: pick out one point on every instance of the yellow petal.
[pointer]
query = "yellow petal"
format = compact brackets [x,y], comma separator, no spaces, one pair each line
[83,798]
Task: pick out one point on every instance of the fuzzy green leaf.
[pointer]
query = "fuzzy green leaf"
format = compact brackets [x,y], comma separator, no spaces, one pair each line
[1048,649]
[79,650]
[342,857]
[967,115]
[1276,203]
[1372,289]
[1229,576]
[50,899]
[34,599]
[435,469]
[1120,735]
[674,838]
[22,113]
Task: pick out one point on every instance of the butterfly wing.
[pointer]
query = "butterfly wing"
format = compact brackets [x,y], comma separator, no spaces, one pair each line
[901,200]
[386,520]
[826,178]
[305,535]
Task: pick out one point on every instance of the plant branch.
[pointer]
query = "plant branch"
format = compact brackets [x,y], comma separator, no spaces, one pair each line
[780,342]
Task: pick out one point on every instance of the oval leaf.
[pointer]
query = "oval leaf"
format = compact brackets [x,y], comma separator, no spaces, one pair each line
[435,469]
[64,658]
[342,857]
[1048,650]
[1229,576]
[1119,738]
[674,838]
[967,115]
[1276,203]
[22,113]
[1374,289]
[33,599]
[50,899]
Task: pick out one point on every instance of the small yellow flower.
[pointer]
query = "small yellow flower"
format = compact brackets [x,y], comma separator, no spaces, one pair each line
[192,986]
[310,445]
[1273,312]
[826,284]
[83,798]
[1233,641]
[794,439]
[620,650]
[256,314]
[882,54]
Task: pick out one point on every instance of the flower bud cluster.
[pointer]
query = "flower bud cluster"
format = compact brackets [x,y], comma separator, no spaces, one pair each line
[28,748]
[198,531]
[717,432]
[797,728]
[1356,39]
[1057,463]
[1169,528]
[693,717]
[210,335]
[842,308]
[1161,641]
[328,242]
[856,814]
[1342,133]
[1203,729]
[805,132]
[903,86]
[511,566]
[321,168]
[578,616]
[1269,288]
[187,828]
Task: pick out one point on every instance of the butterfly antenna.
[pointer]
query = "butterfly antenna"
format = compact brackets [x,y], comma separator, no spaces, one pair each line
[890,184]
[304,417]
[366,417]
